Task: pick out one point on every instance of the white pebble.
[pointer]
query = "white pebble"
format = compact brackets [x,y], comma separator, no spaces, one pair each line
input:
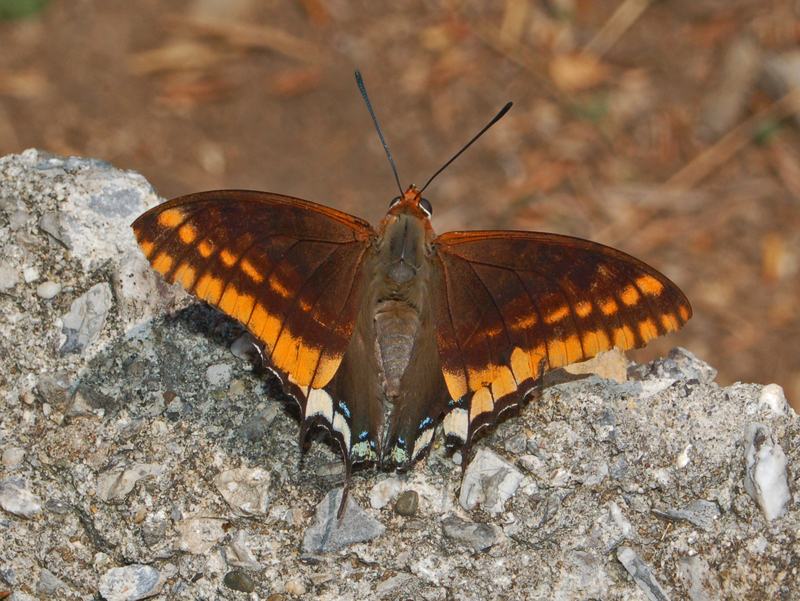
[13,457]
[48,289]
[773,396]
[295,587]
[766,478]
[219,374]
[30,274]
[384,492]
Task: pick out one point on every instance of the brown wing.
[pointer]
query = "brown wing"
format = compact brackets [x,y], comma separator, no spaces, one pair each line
[288,269]
[511,306]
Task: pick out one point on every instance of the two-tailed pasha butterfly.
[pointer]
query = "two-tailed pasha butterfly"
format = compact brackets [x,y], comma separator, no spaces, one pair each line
[380,333]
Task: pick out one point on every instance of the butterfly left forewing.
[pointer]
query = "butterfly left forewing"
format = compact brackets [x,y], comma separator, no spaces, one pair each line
[289,270]
[514,305]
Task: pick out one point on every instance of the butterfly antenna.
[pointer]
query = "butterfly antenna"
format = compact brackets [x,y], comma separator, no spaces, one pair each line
[361,87]
[497,118]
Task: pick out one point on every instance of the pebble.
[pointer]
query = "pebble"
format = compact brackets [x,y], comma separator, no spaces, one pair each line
[329,534]
[384,492]
[86,318]
[247,490]
[199,534]
[641,574]
[703,514]
[219,374]
[295,587]
[478,536]
[30,274]
[54,388]
[766,478]
[700,581]
[8,277]
[115,484]
[48,289]
[48,584]
[239,581]
[16,497]
[131,583]
[489,481]
[772,396]
[238,554]
[517,444]
[407,503]
[13,458]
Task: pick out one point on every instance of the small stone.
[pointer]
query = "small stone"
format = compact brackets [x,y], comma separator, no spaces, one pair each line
[246,490]
[199,534]
[489,481]
[86,319]
[131,583]
[766,478]
[329,534]
[239,581]
[13,458]
[247,349]
[17,219]
[641,574]
[698,579]
[30,274]
[115,484]
[54,388]
[772,396]
[255,429]
[16,497]
[57,506]
[219,374]
[238,554]
[295,587]
[48,584]
[407,503]
[703,514]
[478,536]
[517,444]
[8,277]
[48,289]
[605,426]
[384,492]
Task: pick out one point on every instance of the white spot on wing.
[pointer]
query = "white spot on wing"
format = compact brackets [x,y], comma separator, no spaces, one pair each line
[456,423]
[423,440]
[340,425]
[320,403]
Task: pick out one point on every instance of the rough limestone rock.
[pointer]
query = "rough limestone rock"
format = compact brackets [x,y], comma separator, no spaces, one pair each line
[126,455]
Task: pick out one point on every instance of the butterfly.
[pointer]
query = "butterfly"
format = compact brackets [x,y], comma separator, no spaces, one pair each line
[381,333]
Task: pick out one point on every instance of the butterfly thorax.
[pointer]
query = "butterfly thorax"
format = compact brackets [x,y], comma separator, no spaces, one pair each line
[399,292]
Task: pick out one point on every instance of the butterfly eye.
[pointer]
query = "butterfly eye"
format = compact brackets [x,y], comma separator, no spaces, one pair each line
[395,200]
[426,206]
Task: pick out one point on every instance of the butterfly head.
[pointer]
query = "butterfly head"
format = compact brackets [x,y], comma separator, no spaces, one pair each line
[411,203]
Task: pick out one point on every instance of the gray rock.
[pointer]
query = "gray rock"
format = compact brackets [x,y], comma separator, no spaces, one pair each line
[641,574]
[699,580]
[131,583]
[48,584]
[86,319]
[256,428]
[329,534]
[489,481]
[50,224]
[13,458]
[54,388]
[605,426]
[115,484]
[238,553]
[246,490]
[9,276]
[477,536]
[384,492]
[703,514]
[16,497]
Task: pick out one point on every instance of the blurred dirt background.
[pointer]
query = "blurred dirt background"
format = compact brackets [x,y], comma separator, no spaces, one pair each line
[667,129]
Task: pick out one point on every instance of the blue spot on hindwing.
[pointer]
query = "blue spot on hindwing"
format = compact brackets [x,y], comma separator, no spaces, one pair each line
[427,422]
[344,409]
